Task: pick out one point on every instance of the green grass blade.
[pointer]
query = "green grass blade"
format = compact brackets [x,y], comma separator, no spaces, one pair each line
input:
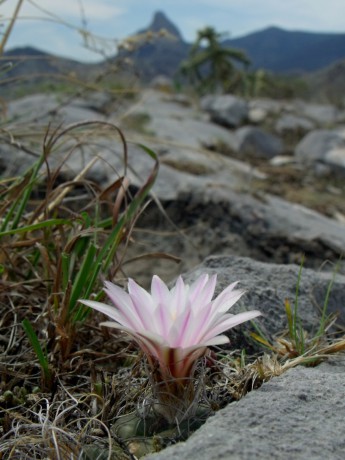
[289,316]
[323,319]
[82,312]
[42,358]
[65,268]
[295,313]
[259,336]
[82,278]
[38,226]
[27,192]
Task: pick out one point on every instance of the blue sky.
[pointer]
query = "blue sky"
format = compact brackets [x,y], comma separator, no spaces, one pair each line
[113,20]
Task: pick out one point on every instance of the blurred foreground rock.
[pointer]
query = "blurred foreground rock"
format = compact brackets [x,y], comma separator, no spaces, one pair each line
[297,416]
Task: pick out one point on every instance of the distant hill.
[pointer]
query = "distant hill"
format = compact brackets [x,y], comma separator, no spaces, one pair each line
[28,61]
[285,51]
[28,69]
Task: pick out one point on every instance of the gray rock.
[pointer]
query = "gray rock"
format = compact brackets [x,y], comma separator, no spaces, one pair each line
[98,101]
[297,416]
[267,285]
[317,144]
[177,124]
[336,159]
[263,110]
[267,106]
[255,142]
[257,115]
[322,114]
[226,110]
[264,227]
[45,108]
[219,215]
[31,107]
[190,132]
[289,123]
[14,161]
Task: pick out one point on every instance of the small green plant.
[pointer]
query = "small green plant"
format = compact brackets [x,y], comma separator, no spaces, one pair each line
[209,65]
[66,254]
[295,344]
[47,375]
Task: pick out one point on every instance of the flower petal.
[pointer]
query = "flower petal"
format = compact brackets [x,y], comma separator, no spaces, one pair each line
[229,323]
[227,298]
[159,291]
[178,298]
[123,303]
[142,296]
[218,340]
[202,290]
[110,311]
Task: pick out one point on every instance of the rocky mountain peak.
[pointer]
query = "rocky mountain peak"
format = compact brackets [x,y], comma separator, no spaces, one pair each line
[161,21]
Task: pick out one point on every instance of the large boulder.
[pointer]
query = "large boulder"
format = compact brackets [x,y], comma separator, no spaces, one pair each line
[299,415]
[45,108]
[267,285]
[324,115]
[257,143]
[325,146]
[336,159]
[226,110]
[289,123]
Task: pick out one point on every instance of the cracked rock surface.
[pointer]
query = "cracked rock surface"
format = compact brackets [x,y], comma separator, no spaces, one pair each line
[299,415]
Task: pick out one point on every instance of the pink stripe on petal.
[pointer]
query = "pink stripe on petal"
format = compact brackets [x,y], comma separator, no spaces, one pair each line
[178,297]
[126,312]
[183,339]
[208,290]
[162,320]
[197,287]
[151,344]
[227,302]
[120,299]
[159,290]
[228,293]
[230,323]
[117,295]
[202,322]
[141,312]
[141,295]
[110,311]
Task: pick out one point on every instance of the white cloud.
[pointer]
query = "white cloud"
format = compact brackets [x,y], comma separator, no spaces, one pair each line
[66,9]
[120,18]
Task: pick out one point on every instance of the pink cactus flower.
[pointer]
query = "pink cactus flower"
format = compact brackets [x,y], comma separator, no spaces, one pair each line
[173,327]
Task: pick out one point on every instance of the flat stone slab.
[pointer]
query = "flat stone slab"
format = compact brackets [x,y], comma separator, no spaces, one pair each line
[298,415]
[266,287]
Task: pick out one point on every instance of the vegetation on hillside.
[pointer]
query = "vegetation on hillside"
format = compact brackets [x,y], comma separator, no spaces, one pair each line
[210,66]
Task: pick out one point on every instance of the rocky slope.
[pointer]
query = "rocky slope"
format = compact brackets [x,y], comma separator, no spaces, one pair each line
[246,189]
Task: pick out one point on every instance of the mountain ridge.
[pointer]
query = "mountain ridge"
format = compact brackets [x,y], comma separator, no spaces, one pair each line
[273,49]
[280,50]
